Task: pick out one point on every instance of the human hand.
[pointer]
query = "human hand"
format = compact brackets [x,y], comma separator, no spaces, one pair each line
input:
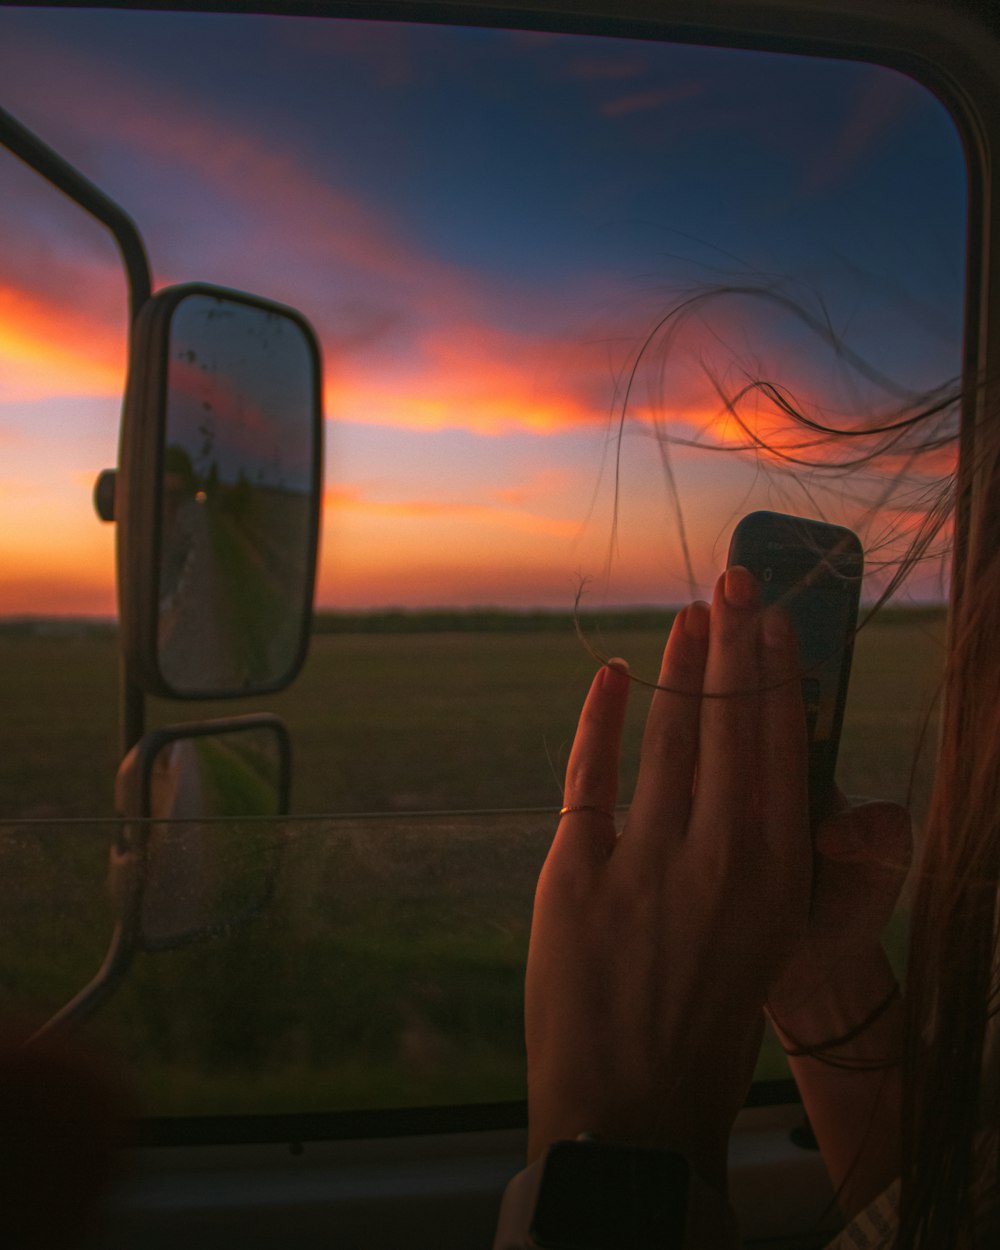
[651,953]
[839,973]
[835,1003]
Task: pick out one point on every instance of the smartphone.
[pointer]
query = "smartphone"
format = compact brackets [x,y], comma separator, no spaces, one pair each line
[814,571]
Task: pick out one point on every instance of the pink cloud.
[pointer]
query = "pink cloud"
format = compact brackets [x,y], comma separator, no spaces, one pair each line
[269,185]
[476,377]
[654,98]
[386,50]
[880,102]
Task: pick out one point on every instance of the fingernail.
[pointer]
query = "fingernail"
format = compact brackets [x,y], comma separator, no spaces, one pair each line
[740,587]
[775,628]
[616,669]
[696,620]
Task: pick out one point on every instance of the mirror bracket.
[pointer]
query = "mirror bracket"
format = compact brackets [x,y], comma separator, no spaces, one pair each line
[104,494]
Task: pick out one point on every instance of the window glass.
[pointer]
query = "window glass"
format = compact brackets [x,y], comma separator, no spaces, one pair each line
[550,274]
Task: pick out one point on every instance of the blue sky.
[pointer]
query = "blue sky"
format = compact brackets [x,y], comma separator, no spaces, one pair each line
[483,226]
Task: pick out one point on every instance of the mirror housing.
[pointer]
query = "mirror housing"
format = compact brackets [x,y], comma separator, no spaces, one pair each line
[218,494]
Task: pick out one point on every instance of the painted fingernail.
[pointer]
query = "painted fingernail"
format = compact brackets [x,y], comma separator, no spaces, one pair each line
[775,627]
[696,620]
[740,587]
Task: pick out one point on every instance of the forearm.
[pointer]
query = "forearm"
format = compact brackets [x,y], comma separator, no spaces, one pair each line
[851,1092]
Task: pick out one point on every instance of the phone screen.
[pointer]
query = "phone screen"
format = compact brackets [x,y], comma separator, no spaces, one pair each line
[813,570]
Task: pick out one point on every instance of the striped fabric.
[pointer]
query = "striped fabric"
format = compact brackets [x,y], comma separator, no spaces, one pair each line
[875,1227]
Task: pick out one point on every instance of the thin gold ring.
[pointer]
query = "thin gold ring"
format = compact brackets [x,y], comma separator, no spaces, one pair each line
[586,807]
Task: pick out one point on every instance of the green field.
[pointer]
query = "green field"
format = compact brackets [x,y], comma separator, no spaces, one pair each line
[386,968]
[398,720]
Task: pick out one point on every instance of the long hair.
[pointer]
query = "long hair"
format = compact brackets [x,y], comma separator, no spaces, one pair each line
[950,1124]
[951,1083]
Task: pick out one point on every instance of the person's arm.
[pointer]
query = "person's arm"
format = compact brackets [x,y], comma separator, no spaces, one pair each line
[851,1091]
[837,1008]
[651,952]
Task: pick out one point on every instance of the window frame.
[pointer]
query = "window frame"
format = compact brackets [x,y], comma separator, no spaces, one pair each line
[945,48]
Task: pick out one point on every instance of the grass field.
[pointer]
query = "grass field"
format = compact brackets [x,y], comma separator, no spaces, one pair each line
[387,968]
[404,721]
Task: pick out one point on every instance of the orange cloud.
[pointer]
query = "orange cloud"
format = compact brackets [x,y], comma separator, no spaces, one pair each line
[338,499]
[544,483]
[54,559]
[384,561]
[424,550]
[47,349]
[476,377]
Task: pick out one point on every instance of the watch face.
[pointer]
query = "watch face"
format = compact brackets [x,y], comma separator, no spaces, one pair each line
[599,1196]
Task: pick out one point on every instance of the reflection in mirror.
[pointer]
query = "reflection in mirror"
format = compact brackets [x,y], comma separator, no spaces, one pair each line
[209,856]
[238,507]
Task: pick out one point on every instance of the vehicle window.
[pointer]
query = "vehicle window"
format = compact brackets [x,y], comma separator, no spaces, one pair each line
[488,230]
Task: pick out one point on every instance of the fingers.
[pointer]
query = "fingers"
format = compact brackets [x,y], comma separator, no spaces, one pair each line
[783,782]
[728,731]
[746,746]
[876,834]
[662,800]
[592,772]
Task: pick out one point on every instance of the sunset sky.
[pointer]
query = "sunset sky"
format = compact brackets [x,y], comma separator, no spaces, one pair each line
[483,227]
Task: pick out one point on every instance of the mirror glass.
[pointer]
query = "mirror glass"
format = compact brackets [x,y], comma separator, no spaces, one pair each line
[238,510]
[209,864]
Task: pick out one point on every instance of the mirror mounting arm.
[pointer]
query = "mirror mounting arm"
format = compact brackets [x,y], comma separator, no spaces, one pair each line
[55,169]
[104,982]
[27,146]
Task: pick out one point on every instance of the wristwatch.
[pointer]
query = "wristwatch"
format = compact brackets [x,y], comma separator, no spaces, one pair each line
[590,1194]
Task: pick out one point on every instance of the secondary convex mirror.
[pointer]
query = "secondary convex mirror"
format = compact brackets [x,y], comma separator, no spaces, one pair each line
[197,853]
[202,857]
[218,494]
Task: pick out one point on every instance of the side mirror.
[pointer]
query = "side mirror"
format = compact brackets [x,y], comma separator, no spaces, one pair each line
[202,856]
[197,855]
[218,494]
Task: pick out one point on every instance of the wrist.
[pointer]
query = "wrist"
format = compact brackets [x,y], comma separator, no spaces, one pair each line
[855,1014]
